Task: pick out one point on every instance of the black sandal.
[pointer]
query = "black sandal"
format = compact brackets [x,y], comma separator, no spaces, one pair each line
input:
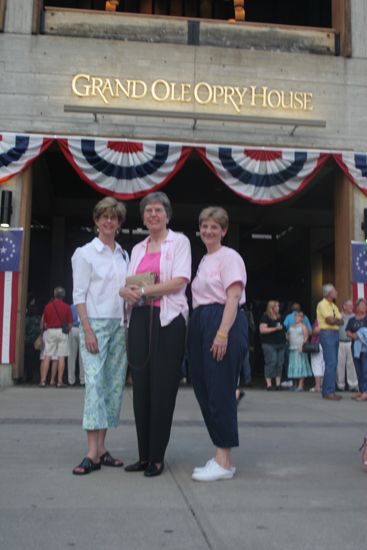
[108,460]
[88,466]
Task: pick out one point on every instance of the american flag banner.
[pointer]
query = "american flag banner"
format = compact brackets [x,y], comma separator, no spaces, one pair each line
[17,152]
[359,270]
[10,246]
[124,169]
[260,176]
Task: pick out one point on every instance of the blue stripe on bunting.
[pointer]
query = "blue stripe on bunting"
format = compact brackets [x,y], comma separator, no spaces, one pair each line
[15,153]
[124,172]
[361,164]
[260,180]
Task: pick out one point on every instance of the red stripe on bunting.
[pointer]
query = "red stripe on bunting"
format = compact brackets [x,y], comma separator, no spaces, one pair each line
[263,155]
[339,160]
[185,152]
[123,147]
[46,143]
[324,157]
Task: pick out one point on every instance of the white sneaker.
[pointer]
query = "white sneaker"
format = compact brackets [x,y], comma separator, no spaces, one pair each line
[200,468]
[212,472]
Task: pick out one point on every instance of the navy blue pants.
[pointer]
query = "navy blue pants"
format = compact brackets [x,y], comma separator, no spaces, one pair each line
[215,382]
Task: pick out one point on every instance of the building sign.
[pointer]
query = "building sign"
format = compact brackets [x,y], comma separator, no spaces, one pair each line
[160,91]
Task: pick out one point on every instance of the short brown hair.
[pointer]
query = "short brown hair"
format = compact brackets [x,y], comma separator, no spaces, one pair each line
[217,213]
[109,204]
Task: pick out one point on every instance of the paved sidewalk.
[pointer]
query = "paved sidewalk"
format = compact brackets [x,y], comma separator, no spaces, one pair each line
[299,485]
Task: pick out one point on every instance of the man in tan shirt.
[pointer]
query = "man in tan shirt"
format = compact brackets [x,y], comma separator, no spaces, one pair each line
[329,320]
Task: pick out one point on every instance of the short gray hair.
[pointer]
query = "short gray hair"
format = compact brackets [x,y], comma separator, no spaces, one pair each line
[156,196]
[59,292]
[326,289]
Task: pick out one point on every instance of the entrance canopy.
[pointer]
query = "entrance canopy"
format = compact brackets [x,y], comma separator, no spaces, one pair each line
[130,169]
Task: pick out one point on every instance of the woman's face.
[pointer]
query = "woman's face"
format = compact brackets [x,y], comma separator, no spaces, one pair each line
[155,217]
[107,224]
[211,233]
[276,308]
[361,309]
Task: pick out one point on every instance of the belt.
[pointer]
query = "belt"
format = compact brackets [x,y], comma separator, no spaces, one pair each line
[345,341]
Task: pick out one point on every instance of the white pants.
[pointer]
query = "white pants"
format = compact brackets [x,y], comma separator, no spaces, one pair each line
[346,368]
[74,351]
[318,363]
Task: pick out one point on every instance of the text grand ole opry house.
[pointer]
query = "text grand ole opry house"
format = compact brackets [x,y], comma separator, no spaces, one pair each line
[259,106]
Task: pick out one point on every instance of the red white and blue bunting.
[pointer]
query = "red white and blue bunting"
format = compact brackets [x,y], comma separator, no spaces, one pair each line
[125,170]
[128,170]
[354,165]
[263,177]
[17,152]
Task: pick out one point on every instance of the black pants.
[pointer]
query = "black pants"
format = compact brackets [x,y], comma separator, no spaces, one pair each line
[155,384]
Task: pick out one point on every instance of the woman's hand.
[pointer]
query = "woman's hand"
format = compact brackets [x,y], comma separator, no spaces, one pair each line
[219,348]
[131,294]
[91,342]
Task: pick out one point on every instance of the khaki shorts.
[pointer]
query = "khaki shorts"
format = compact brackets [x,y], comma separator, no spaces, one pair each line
[56,343]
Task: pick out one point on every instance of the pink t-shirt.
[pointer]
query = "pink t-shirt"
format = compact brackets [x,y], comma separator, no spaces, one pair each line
[151,263]
[215,274]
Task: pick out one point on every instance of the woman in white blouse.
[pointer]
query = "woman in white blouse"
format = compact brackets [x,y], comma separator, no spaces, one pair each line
[99,271]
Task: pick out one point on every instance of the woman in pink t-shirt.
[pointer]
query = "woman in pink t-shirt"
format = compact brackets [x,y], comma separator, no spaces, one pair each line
[156,336]
[217,340]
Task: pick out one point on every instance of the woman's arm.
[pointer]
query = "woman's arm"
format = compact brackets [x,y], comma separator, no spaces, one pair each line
[91,342]
[171,286]
[305,333]
[219,346]
[133,293]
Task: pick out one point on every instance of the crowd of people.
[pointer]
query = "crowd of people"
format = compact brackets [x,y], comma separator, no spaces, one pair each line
[136,311]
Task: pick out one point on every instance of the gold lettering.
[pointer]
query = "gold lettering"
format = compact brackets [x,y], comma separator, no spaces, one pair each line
[186,92]
[167,90]
[218,92]
[85,88]
[277,95]
[97,84]
[107,87]
[173,90]
[308,101]
[289,96]
[139,89]
[206,88]
[241,94]
[119,86]
[255,96]
[228,95]
[298,100]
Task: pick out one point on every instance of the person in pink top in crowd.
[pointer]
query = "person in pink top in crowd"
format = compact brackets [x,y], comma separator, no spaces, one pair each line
[217,341]
[156,335]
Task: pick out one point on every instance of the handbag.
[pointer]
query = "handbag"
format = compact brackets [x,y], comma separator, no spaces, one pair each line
[38,343]
[65,329]
[311,347]
[141,280]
